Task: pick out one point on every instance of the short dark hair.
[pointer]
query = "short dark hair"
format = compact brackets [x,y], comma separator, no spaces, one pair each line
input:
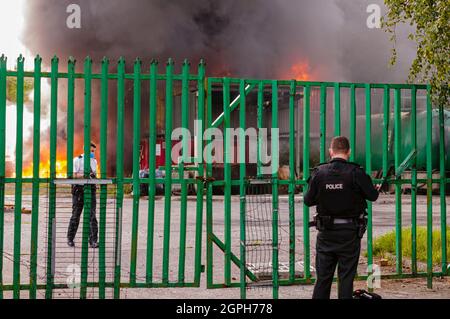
[340,144]
[93,145]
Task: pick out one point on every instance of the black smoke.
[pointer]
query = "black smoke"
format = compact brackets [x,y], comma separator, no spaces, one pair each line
[242,38]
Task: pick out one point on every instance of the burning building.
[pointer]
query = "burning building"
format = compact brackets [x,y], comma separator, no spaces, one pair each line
[300,40]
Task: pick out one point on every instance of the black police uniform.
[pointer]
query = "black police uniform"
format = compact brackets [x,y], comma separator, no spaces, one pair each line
[339,189]
[77,208]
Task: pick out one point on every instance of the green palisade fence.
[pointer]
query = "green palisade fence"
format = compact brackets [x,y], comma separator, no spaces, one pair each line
[407,146]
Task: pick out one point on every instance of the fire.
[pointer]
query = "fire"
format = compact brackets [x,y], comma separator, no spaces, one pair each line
[44,165]
[300,71]
[44,169]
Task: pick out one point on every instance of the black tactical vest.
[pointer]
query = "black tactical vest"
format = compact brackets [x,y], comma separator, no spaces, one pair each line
[338,195]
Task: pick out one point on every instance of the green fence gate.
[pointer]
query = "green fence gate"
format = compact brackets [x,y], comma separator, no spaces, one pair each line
[157,242]
[401,139]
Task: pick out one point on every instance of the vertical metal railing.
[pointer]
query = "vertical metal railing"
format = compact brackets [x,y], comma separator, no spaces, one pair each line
[119,172]
[151,170]
[35,191]
[398,185]
[323,122]
[86,172]
[368,137]
[103,175]
[209,192]
[201,84]
[443,155]
[292,178]
[136,177]
[352,122]
[18,175]
[227,178]
[414,181]
[429,151]
[3,82]
[337,110]
[275,165]
[306,148]
[52,186]
[242,185]
[181,169]
[168,170]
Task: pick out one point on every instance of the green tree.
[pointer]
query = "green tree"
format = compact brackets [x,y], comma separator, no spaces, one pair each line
[431,22]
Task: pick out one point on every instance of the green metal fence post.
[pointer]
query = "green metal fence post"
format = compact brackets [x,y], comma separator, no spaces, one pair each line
[352,122]
[369,172]
[35,187]
[103,174]
[242,186]
[52,185]
[414,182]
[260,125]
[275,165]
[18,187]
[2,160]
[209,194]
[306,126]
[200,186]
[87,170]
[168,170]
[398,186]
[292,148]
[136,179]
[323,122]
[429,189]
[70,114]
[442,161]
[119,172]
[227,178]
[153,104]
[385,137]
[337,109]
[181,165]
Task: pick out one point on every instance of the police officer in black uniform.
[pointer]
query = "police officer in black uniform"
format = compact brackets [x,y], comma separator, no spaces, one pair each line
[339,189]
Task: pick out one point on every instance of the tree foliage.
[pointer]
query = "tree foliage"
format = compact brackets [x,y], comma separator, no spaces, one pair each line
[431,22]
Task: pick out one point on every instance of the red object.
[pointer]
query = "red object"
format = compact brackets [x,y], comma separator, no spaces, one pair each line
[143,155]
[160,153]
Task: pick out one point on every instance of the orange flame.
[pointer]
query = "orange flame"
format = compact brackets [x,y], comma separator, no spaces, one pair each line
[44,169]
[300,71]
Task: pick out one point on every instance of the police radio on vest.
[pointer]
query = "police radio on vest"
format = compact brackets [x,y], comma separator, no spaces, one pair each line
[334,186]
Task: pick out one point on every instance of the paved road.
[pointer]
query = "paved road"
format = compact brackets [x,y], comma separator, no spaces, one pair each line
[383,221]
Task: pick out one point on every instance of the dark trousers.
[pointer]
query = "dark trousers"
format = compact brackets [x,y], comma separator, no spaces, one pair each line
[337,246]
[77,208]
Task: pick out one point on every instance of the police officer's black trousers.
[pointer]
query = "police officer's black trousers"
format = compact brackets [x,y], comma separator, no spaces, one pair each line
[337,246]
[77,208]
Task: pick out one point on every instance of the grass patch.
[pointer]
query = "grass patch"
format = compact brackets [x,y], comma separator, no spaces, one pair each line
[386,244]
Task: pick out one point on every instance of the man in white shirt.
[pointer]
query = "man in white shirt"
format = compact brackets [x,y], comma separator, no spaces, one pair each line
[78,200]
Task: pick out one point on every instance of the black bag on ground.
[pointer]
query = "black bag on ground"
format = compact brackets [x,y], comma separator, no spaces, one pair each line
[363,294]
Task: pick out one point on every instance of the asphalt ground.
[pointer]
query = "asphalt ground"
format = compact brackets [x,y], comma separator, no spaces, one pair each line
[68,260]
